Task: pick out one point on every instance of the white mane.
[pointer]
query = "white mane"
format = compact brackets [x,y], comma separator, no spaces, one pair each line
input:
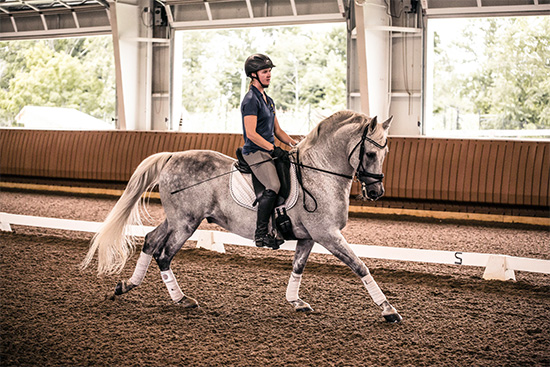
[331,124]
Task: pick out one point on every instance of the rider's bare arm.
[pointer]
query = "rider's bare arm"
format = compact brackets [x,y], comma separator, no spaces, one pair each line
[282,135]
[250,123]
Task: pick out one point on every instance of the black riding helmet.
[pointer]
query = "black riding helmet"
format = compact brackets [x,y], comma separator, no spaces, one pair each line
[257,62]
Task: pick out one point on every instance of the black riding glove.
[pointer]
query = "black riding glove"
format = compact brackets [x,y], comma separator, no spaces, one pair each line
[279,153]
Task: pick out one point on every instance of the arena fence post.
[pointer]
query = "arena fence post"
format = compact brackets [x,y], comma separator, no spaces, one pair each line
[206,240]
[4,225]
[497,269]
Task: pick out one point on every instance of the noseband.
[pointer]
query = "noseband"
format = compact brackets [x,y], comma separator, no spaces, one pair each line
[367,178]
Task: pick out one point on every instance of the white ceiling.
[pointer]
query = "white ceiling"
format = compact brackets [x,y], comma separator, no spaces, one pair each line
[27,19]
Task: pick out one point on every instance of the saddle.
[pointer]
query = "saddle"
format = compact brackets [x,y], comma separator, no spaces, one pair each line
[287,197]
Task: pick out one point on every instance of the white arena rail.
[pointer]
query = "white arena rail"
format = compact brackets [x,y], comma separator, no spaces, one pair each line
[500,267]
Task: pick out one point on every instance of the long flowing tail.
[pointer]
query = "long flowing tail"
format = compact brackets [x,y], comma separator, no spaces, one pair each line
[113,245]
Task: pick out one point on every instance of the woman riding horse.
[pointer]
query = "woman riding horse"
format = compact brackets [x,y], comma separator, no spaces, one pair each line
[260,126]
[346,143]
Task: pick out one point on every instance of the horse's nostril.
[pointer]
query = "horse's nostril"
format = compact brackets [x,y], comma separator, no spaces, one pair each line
[373,194]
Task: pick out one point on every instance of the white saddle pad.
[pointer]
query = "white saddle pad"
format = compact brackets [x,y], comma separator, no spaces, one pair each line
[242,189]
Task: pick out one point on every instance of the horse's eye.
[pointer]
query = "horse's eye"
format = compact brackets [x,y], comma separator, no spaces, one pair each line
[371,155]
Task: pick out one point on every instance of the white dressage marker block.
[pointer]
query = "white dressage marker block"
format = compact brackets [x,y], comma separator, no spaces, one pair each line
[497,269]
[4,225]
[205,239]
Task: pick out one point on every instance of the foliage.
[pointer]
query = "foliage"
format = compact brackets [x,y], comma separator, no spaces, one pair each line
[310,67]
[503,76]
[74,72]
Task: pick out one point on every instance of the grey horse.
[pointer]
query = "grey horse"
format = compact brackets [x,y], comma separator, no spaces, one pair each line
[345,143]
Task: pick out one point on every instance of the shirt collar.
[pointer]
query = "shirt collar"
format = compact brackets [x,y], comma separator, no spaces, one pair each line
[257,92]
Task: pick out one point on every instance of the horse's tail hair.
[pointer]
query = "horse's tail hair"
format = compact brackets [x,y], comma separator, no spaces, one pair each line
[112,243]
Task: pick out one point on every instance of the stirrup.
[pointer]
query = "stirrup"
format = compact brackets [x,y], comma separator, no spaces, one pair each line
[269,241]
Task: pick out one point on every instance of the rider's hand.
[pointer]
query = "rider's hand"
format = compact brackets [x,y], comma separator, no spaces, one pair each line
[279,153]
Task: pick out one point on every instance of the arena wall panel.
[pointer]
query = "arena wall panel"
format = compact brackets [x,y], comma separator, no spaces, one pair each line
[503,172]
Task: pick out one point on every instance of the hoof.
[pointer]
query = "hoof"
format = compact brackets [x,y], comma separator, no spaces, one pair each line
[390,313]
[393,318]
[123,287]
[301,306]
[119,289]
[188,302]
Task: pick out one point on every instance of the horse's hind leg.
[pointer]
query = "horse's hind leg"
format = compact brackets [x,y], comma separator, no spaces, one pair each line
[303,249]
[164,255]
[339,247]
[153,240]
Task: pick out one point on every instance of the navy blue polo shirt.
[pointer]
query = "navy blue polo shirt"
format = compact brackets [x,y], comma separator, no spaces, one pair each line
[253,104]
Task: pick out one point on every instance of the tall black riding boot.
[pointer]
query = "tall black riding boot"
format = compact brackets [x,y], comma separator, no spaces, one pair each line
[266,203]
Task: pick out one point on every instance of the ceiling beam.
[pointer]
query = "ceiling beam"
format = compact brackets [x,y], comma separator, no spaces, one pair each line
[50,33]
[47,11]
[75,18]
[105,3]
[44,23]
[13,23]
[341,7]
[63,3]
[259,21]
[293,5]
[208,11]
[29,5]
[249,7]
[488,10]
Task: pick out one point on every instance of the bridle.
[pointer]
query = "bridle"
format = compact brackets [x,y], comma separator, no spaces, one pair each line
[365,177]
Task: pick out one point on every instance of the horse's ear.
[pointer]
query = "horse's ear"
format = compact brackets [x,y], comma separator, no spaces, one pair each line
[386,124]
[372,124]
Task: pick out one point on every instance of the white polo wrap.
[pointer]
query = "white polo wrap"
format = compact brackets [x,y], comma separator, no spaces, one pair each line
[172,284]
[141,268]
[373,289]
[293,287]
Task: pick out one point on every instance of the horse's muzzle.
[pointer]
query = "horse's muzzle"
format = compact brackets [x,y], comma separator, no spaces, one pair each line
[371,184]
[373,192]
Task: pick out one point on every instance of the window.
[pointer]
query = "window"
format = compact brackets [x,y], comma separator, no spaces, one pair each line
[308,82]
[488,77]
[64,83]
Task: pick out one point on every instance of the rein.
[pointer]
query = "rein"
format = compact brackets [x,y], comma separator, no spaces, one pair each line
[301,183]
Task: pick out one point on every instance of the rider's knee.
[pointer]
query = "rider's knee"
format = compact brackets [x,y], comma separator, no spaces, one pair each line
[275,187]
[268,193]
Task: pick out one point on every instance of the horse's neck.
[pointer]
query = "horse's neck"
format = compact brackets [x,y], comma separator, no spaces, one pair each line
[330,153]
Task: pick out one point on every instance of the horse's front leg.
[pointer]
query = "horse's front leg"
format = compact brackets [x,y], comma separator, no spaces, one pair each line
[339,247]
[303,249]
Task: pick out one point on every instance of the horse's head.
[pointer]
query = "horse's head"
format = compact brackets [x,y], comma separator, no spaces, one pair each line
[372,151]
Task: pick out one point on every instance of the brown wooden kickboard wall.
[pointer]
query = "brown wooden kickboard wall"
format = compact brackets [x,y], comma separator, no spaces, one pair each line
[504,172]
